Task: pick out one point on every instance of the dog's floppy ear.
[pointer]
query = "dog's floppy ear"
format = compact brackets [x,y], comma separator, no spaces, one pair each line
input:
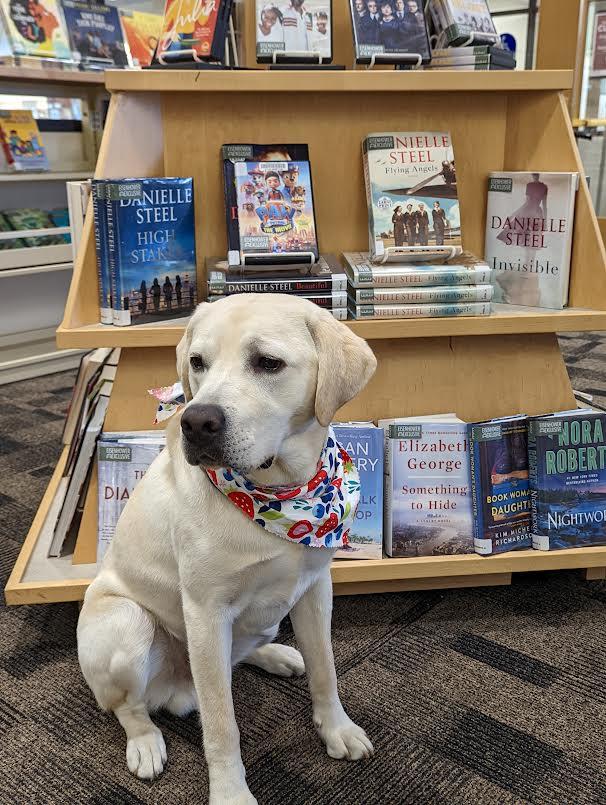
[345,364]
[183,353]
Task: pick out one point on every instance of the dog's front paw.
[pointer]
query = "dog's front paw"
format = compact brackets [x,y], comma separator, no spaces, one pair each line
[344,740]
[146,755]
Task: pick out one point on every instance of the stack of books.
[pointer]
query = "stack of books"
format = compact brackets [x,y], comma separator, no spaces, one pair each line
[473,57]
[459,287]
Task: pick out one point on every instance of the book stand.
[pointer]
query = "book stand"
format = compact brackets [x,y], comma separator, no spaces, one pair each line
[393,254]
[250,260]
[474,36]
[300,57]
[412,60]
[169,123]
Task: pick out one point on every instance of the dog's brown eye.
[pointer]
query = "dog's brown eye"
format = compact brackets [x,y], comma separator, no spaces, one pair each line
[196,363]
[269,364]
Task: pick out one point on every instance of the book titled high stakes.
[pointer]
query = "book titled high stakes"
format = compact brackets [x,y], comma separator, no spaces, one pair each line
[95,33]
[151,249]
[363,441]
[427,496]
[193,30]
[36,28]
[465,269]
[392,32]
[101,251]
[269,204]
[529,228]
[411,191]
[22,144]
[295,32]
[567,462]
[499,485]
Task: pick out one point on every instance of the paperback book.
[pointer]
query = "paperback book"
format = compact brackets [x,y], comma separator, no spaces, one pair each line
[363,441]
[411,191]
[151,249]
[418,311]
[101,251]
[496,53]
[440,294]
[567,462]
[391,32]
[529,227]
[141,31]
[13,243]
[30,218]
[193,30]
[466,269]
[296,32]
[499,485]
[22,144]
[95,34]
[36,28]
[324,276]
[427,495]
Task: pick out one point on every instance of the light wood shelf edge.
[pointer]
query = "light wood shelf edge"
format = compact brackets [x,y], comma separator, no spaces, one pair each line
[49,75]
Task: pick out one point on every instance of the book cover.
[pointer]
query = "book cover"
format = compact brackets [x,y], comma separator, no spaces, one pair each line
[301,29]
[302,279]
[21,141]
[529,227]
[440,294]
[418,311]
[495,52]
[363,441]
[411,191]
[151,249]
[427,492]
[389,29]
[335,299]
[101,251]
[141,31]
[95,33]
[35,28]
[30,218]
[462,270]
[567,462]
[15,243]
[122,460]
[499,484]
[468,19]
[193,29]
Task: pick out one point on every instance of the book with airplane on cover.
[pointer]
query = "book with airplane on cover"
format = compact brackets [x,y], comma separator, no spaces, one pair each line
[466,269]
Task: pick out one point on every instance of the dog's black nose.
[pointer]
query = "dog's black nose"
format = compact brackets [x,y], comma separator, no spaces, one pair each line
[201,423]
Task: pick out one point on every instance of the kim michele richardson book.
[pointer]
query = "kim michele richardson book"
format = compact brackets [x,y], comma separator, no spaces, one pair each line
[529,226]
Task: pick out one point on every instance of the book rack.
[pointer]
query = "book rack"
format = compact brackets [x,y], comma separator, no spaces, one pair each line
[173,124]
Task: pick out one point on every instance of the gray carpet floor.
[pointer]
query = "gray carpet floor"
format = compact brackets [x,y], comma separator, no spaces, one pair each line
[481,696]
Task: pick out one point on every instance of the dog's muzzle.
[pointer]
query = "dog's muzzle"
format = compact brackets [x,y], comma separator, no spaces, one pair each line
[203,429]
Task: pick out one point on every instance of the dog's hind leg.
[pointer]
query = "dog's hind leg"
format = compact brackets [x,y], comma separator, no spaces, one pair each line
[120,656]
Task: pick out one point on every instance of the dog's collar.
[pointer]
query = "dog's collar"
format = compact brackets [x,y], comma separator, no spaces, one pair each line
[318,514]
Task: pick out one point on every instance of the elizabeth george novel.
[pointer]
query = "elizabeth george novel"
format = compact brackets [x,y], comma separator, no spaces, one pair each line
[529,226]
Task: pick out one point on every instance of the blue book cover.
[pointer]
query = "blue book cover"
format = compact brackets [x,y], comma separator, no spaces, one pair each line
[364,443]
[567,463]
[151,248]
[95,33]
[103,275]
[499,485]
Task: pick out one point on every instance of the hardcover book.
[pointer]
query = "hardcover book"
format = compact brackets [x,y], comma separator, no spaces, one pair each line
[418,311]
[35,28]
[462,270]
[392,31]
[21,141]
[193,30]
[529,226]
[299,31]
[500,491]
[141,31]
[95,33]
[101,251]
[411,191]
[467,20]
[336,299]
[427,495]
[363,441]
[567,462]
[440,294]
[321,277]
[151,249]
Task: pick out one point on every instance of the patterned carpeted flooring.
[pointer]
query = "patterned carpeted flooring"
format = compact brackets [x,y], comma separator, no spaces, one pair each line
[486,696]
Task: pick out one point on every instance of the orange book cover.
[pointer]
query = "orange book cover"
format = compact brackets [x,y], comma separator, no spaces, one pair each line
[142,32]
[192,27]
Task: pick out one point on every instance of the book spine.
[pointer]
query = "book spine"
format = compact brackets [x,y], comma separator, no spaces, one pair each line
[420,311]
[540,542]
[120,318]
[454,275]
[481,545]
[98,199]
[464,293]
[387,494]
[368,188]
[10,161]
[231,213]
[338,282]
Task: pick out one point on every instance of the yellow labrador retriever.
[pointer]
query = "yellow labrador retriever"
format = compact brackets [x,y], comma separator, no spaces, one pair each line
[190,586]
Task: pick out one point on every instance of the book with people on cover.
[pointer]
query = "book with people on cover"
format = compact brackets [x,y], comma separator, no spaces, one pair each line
[460,22]
[193,30]
[427,497]
[151,248]
[36,28]
[529,227]
[465,269]
[390,31]
[411,191]
[499,484]
[22,144]
[567,463]
[95,33]
[296,30]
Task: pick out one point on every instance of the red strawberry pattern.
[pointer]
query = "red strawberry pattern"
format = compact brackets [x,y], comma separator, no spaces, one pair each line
[244,502]
[288,493]
[300,529]
[320,476]
[328,525]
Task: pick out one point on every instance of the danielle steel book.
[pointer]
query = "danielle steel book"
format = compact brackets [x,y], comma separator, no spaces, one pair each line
[499,484]
[529,227]
[466,269]
[324,276]
[36,28]
[101,251]
[151,248]
[392,32]
[427,496]
[418,311]
[465,21]
[411,191]
[363,441]
[294,31]
[95,34]
[193,30]
[440,294]
[567,462]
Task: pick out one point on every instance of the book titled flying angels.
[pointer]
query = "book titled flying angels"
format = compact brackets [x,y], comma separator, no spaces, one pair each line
[529,227]
[296,31]
[390,32]
[411,191]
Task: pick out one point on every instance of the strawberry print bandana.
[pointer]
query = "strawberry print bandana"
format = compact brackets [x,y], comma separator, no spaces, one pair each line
[318,514]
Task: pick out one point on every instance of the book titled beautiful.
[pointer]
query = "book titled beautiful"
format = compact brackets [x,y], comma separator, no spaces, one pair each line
[427,496]
[411,192]
[324,276]
[529,227]
[567,463]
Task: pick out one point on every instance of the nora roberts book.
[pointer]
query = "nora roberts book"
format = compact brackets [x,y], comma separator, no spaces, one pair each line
[567,463]
[411,191]
[529,226]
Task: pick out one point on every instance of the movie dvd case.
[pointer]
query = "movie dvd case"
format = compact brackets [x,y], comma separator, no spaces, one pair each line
[294,32]
[391,32]
[193,30]
[95,34]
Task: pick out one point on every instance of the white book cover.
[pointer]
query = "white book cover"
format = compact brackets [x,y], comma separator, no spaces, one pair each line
[465,269]
[529,226]
[294,28]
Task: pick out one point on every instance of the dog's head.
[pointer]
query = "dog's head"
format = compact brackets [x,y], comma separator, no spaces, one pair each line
[258,369]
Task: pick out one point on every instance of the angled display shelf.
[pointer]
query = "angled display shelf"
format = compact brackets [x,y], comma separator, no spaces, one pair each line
[174,123]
